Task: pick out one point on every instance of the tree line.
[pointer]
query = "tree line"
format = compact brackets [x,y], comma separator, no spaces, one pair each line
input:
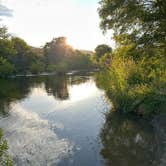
[17,57]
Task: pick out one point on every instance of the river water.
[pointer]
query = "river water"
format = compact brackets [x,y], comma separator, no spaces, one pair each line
[66,121]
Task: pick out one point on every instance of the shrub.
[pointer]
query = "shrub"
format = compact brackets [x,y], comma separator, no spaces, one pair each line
[5,159]
[136,88]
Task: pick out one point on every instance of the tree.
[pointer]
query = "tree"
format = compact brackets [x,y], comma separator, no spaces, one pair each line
[37,67]
[16,55]
[23,57]
[101,50]
[4,33]
[6,68]
[6,45]
[138,67]
[56,50]
[143,21]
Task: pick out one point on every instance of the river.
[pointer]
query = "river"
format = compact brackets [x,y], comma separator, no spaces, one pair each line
[66,121]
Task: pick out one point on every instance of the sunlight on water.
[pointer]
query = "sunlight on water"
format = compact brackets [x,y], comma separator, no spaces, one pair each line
[77,94]
[83,91]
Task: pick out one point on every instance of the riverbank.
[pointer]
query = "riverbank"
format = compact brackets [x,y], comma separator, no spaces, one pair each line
[72,72]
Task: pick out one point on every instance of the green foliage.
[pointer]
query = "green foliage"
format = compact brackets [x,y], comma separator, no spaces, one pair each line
[5,159]
[6,68]
[105,60]
[101,50]
[56,50]
[59,54]
[17,57]
[23,57]
[62,67]
[6,45]
[80,61]
[37,67]
[4,33]
[138,64]
[143,21]
[51,68]
[133,87]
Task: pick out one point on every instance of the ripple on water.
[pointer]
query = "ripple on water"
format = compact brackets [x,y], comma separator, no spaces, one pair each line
[31,140]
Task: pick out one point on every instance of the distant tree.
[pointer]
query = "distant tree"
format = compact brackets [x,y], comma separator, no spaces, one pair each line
[56,50]
[101,50]
[6,68]
[56,55]
[51,68]
[23,57]
[6,46]
[37,67]
[4,33]
[7,49]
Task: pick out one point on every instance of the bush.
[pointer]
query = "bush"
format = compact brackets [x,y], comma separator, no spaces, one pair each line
[5,159]
[138,87]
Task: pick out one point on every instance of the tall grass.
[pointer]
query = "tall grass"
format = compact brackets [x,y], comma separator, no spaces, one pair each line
[138,87]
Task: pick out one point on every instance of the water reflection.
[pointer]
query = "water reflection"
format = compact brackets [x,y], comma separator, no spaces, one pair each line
[59,120]
[50,120]
[31,140]
[58,87]
[128,141]
[13,90]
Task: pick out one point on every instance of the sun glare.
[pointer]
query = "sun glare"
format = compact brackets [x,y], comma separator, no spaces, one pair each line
[38,22]
[82,91]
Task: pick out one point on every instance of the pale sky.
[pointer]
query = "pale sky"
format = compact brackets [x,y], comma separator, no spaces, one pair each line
[38,21]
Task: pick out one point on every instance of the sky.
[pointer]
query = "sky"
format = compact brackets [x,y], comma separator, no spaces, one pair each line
[39,21]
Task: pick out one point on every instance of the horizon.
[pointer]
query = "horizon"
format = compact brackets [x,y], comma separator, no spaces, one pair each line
[38,22]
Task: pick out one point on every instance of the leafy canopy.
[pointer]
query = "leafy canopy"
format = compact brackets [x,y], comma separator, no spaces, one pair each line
[143,20]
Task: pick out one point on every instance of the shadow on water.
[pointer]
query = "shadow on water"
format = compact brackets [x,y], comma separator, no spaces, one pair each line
[17,89]
[128,141]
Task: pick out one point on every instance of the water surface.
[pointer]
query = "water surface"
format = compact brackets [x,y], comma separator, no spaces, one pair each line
[66,121]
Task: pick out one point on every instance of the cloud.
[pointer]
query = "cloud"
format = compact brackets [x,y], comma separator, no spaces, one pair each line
[4,11]
[38,21]
[30,139]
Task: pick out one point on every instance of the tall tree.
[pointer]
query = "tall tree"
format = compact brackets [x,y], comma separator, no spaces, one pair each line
[56,50]
[6,45]
[143,20]
[23,57]
[4,33]
[102,49]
